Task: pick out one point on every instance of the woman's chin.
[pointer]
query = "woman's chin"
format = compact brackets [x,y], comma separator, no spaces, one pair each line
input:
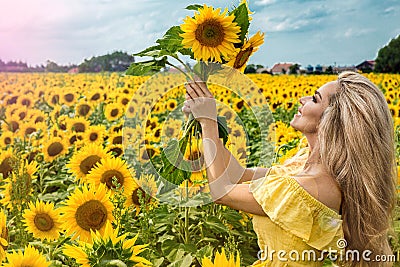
[294,125]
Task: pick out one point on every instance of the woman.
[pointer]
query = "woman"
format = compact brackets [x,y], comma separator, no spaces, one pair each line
[336,198]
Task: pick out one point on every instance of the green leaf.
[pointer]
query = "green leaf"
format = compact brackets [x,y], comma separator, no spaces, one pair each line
[149,51]
[194,7]
[242,19]
[183,262]
[146,67]
[222,128]
[158,261]
[175,169]
[204,252]
[171,41]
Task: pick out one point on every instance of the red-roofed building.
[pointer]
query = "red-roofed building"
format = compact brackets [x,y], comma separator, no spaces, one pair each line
[281,68]
[366,66]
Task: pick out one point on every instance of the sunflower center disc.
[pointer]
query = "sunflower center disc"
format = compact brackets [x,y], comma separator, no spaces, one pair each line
[135,196]
[88,163]
[14,126]
[69,97]
[26,102]
[84,110]
[117,140]
[95,97]
[54,149]
[210,33]
[43,222]
[91,215]
[93,137]
[114,112]
[5,167]
[30,130]
[108,176]
[79,127]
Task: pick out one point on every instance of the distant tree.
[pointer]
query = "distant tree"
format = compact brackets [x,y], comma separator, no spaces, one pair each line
[388,60]
[259,66]
[329,70]
[294,69]
[117,61]
[250,69]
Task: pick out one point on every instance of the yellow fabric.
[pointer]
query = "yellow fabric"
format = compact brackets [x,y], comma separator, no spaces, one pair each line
[296,222]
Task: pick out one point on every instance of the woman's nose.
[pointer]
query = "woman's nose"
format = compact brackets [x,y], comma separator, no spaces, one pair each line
[302,100]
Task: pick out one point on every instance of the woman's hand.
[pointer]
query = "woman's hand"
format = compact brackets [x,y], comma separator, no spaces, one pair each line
[200,102]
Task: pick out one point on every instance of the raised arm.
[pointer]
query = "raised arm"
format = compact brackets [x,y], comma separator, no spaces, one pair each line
[223,171]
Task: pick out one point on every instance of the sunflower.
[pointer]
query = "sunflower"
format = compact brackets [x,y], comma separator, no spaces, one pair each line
[115,138]
[54,148]
[171,104]
[87,209]
[210,34]
[95,134]
[37,116]
[29,129]
[131,109]
[7,139]
[86,159]
[108,248]
[69,97]
[6,158]
[146,190]
[83,109]
[109,169]
[221,260]
[12,124]
[42,220]
[76,140]
[29,257]
[3,235]
[242,55]
[115,150]
[77,124]
[113,111]
[26,101]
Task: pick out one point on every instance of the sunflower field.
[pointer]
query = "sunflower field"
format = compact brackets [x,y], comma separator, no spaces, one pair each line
[69,196]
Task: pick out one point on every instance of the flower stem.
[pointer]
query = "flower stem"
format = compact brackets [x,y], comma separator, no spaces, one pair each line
[184,73]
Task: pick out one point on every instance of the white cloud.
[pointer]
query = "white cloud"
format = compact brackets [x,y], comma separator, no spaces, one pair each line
[264,2]
[357,32]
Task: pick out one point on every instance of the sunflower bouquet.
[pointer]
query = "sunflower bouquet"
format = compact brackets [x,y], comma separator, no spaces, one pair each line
[217,40]
[210,36]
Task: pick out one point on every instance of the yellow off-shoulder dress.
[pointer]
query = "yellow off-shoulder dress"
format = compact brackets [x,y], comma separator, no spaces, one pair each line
[298,230]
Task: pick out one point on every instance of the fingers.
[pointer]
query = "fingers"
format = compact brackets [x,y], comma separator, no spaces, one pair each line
[191,91]
[197,88]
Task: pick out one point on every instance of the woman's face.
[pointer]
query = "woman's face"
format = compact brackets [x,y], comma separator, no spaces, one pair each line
[311,109]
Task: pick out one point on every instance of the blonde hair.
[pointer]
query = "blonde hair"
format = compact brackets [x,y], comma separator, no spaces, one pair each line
[357,148]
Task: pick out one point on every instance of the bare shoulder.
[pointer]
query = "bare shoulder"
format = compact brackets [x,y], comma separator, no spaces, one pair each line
[323,188]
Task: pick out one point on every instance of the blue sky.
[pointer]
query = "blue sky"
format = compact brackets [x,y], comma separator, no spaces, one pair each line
[307,32]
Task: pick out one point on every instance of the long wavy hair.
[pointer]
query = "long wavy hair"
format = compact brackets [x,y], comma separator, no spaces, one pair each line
[356,140]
